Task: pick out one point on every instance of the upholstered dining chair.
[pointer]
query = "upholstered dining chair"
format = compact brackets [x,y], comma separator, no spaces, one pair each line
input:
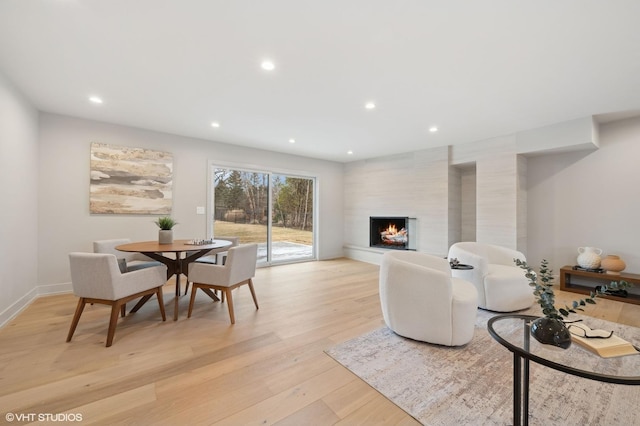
[96,278]
[501,285]
[422,301]
[219,256]
[132,260]
[239,269]
[215,256]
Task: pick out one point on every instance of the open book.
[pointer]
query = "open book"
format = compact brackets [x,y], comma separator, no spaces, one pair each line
[601,342]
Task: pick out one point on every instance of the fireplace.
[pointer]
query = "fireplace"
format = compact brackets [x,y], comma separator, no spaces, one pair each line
[389,232]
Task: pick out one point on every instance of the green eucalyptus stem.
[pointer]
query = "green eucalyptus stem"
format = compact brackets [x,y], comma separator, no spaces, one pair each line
[542,284]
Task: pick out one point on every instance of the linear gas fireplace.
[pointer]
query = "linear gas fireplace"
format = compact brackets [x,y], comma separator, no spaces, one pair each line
[392,232]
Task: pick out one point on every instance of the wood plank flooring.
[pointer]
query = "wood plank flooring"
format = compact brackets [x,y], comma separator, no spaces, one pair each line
[268,368]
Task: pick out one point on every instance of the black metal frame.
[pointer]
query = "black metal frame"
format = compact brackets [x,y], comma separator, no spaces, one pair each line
[521,358]
[374,235]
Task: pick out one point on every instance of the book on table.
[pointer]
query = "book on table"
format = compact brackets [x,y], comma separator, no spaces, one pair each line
[601,342]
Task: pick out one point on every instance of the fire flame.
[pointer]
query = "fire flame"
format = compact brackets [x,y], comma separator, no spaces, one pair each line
[392,229]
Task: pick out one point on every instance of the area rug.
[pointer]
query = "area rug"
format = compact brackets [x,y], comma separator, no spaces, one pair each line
[473,384]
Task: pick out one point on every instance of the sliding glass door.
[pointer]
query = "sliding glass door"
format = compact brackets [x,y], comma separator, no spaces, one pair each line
[273,210]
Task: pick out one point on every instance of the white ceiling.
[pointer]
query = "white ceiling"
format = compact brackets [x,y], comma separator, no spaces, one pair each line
[475,69]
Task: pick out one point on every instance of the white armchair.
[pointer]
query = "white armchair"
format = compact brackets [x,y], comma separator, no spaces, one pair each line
[501,285]
[132,260]
[96,278]
[422,301]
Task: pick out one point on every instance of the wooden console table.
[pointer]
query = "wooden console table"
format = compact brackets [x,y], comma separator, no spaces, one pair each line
[592,279]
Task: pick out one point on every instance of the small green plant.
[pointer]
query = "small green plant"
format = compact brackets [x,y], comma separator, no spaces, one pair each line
[542,284]
[165,223]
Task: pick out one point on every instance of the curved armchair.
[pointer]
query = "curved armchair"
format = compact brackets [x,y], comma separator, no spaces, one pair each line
[96,278]
[501,285]
[239,269]
[420,300]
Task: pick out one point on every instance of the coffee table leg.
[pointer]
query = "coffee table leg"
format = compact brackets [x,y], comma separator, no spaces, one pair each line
[517,390]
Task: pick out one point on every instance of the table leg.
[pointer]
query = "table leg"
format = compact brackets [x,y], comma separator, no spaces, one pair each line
[210,293]
[521,383]
[525,379]
[178,289]
[140,303]
[517,390]
[175,308]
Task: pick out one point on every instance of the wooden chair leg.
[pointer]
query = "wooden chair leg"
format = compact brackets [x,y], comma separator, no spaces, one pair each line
[161,303]
[222,293]
[227,291]
[194,287]
[253,293]
[123,310]
[115,308]
[76,318]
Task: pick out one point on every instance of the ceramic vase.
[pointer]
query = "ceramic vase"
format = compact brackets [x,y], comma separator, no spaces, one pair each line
[613,265]
[165,236]
[589,257]
[551,331]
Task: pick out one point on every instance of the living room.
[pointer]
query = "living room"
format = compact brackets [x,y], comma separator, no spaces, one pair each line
[579,185]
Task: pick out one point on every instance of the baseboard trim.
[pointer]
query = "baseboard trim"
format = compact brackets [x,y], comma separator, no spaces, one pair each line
[42,290]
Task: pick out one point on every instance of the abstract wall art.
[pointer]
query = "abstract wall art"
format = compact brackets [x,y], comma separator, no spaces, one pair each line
[128,180]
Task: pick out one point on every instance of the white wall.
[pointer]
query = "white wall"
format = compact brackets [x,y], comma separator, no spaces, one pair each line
[586,198]
[18,200]
[468,203]
[66,225]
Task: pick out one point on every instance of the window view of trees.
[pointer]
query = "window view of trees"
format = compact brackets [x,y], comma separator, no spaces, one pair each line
[242,208]
[241,197]
[293,202]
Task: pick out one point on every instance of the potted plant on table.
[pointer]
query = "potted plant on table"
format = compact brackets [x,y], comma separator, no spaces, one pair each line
[166,225]
[551,328]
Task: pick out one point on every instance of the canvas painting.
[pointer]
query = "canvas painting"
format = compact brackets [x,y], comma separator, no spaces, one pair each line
[128,180]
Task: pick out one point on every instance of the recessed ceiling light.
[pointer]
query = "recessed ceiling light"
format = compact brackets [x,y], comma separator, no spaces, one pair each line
[215,124]
[433,129]
[95,99]
[267,65]
[292,141]
[350,152]
[369,105]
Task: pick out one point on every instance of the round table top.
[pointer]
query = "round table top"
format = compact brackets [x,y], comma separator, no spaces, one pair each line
[176,246]
[512,331]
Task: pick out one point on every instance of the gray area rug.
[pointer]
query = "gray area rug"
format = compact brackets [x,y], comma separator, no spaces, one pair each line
[473,385]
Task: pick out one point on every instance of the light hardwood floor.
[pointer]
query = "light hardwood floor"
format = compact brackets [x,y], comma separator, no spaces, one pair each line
[268,368]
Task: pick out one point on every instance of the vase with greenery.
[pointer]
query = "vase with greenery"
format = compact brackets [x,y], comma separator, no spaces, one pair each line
[551,329]
[166,225]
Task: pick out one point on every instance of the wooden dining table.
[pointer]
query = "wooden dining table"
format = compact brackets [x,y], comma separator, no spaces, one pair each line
[175,262]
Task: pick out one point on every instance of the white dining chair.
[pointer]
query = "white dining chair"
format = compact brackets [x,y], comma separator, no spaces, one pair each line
[96,278]
[238,270]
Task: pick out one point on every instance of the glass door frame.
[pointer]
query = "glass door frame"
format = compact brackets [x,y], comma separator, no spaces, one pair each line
[210,206]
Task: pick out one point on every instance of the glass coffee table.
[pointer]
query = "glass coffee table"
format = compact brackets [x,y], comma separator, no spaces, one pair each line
[513,332]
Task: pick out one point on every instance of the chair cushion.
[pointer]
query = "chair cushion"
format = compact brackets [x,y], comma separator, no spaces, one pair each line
[507,289]
[135,265]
